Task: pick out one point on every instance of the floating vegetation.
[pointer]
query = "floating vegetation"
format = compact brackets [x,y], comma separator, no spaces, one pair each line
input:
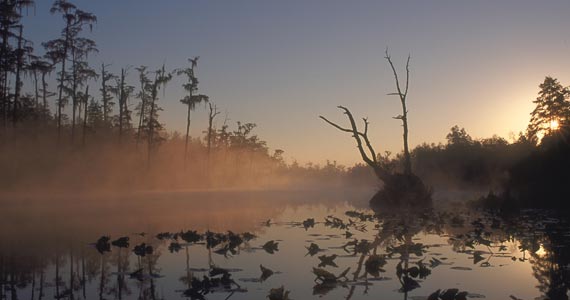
[219,281]
[271,247]
[326,277]
[313,249]
[461,268]
[449,294]
[265,273]
[327,261]
[374,264]
[394,257]
[278,294]
[334,222]
[309,223]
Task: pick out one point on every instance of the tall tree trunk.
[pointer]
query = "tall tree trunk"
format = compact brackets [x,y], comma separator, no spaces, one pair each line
[104,91]
[4,72]
[151,127]
[213,113]
[62,82]
[407,159]
[403,94]
[37,91]
[121,105]
[73,91]
[44,92]
[85,114]
[187,129]
[142,112]
[19,65]
[6,92]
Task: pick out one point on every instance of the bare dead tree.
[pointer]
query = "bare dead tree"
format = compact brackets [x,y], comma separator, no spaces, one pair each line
[400,189]
[213,113]
[369,154]
[403,94]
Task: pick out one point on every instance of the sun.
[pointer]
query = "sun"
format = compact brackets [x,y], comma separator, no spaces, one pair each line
[541,251]
[554,125]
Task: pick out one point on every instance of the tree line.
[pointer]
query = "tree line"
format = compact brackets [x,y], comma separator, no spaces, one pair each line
[93,115]
[67,122]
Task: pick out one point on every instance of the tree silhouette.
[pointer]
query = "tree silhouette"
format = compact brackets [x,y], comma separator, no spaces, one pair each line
[19,65]
[75,19]
[552,107]
[402,93]
[160,80]
[123,91]
[37,67]
[399,189]
[213,113]
[368,155]
[145,85]
[190,100]
[80,72]
[106,96]
[95,117]
[12,60]
[85,101]
[458,136]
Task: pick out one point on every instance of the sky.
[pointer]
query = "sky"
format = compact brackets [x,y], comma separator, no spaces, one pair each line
[281,64]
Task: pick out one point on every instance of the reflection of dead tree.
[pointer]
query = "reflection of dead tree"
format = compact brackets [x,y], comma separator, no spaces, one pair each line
[378,240]
[404,116]
[362,138]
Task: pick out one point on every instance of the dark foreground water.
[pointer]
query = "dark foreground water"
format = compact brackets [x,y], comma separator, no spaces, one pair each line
[249,245]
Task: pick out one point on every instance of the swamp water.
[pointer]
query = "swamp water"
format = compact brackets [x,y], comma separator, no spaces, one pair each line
[247,245]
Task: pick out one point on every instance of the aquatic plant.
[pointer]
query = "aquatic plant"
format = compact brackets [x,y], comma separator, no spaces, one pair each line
[278,294]
[271,247]
[327,261]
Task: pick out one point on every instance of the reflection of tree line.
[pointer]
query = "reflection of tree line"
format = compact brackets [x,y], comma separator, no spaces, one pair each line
[68,274]
[548,249]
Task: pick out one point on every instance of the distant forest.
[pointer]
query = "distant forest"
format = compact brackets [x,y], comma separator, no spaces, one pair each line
[95,129]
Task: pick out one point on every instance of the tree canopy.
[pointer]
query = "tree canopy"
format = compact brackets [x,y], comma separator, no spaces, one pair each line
[552,109]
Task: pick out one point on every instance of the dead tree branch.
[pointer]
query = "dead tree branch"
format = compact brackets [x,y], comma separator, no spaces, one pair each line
[359,137]
[404,115]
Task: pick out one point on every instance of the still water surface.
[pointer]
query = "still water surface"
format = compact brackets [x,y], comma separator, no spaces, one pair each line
[52,247]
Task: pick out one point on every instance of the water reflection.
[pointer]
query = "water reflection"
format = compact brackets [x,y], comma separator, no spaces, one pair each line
[279,248]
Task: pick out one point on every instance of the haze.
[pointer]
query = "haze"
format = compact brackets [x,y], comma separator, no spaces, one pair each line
[281,64]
